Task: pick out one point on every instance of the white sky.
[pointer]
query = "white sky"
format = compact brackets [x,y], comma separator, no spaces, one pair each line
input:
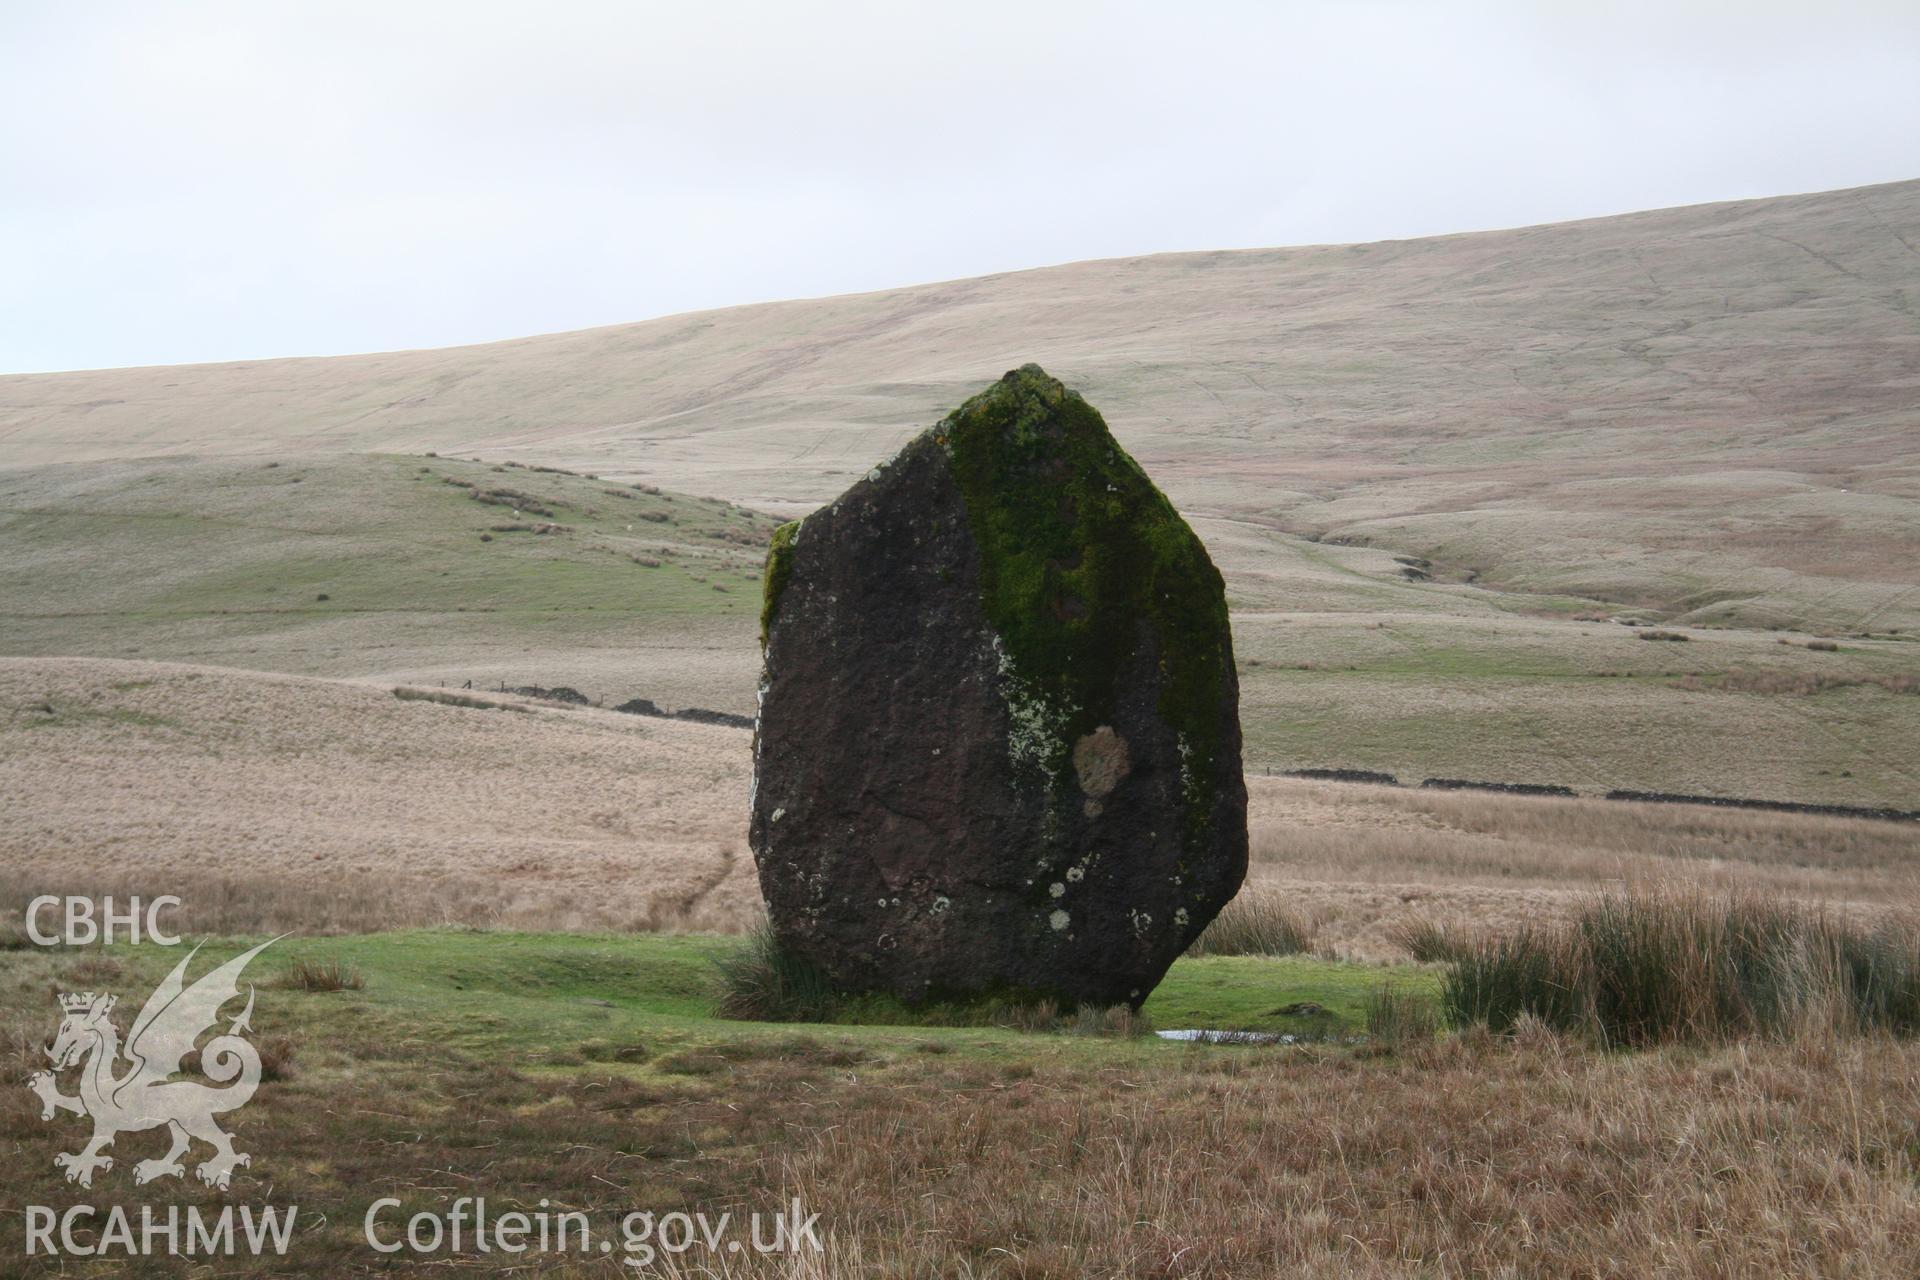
[207,181]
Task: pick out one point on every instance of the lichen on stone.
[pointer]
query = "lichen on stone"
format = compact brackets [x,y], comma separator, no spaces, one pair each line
[1100,761]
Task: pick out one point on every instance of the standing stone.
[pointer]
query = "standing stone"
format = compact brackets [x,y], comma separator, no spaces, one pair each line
[998,750]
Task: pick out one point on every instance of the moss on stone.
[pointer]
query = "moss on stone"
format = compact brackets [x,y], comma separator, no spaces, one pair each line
[1076,545]
[779,568]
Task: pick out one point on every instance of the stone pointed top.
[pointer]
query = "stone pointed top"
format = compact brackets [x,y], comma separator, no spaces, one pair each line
[1024,397]
[1027,383]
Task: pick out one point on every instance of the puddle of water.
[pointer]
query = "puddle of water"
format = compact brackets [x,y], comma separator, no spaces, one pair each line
[1206,1035]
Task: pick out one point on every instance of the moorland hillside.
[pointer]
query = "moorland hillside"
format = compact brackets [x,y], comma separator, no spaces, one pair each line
[1707,411]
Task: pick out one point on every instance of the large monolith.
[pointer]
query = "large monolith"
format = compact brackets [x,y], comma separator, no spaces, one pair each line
[998,748]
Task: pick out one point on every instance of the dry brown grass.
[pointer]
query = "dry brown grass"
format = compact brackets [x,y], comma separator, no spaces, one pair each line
[1365,862]
[447,698]
[1256,923]
[274,803]
[1457,1158]
[256,905]
[271,803]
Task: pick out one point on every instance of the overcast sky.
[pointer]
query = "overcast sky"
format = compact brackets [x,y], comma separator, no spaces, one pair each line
[188,182]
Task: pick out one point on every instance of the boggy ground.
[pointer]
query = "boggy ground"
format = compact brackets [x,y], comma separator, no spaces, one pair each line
[585,1071]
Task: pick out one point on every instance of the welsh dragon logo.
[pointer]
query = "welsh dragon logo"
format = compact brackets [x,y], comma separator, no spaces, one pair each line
[132,1089]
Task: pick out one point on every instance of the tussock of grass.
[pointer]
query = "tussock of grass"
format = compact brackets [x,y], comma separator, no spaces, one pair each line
[1427,941]
[764,982]
[1255,924]
[320,975]
[613,1051]
[1397,1018]
[276,1057]
[1653,967]
[23,1048]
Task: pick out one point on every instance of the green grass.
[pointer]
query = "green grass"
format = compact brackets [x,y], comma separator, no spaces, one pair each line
[166,554]
[519,996]
[1252,993]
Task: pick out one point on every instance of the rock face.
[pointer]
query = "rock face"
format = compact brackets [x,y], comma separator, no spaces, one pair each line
[998,750]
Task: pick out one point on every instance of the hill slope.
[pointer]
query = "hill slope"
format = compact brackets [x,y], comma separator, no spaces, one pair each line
[387,566]
[1707,411]
[1435,473]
